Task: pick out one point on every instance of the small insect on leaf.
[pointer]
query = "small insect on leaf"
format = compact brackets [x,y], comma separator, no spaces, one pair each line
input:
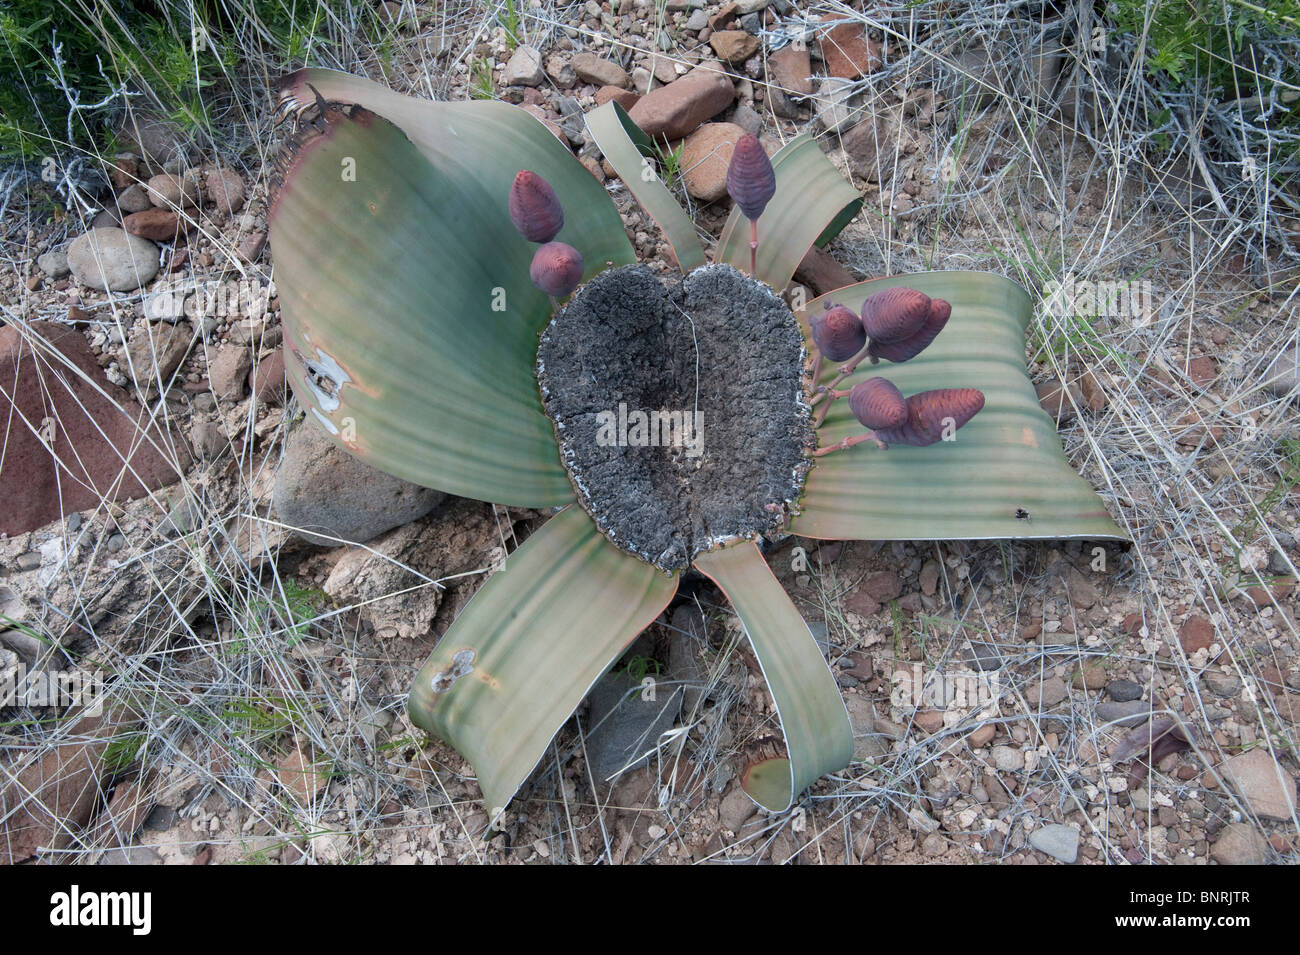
[838,333]
[751,181]
[535,208]
[556,269]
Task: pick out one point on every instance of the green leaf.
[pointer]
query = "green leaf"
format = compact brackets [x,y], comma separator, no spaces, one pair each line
[813,202]
[1004,475]
[818,734]
[629,150]
[534,639]
[410,322]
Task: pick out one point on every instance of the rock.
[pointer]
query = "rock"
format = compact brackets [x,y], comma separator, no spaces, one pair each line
[228,371]
[791,70]
[736,809]
[1196,633]
[1058,400]
[625,98]
[90,421]
[225,190]
[54,263]
[524,68]
[157,351]
[747,119]
[883,586]
[733,46]
[848,51]
[600,72]
[112,260]
[1268,789]
[982,736]
[152,137]
[301,775]
[697,21]
[1048,693]
[674,111]
[1008,759]
[267,380]
[548,120]
[1094,392]
[1128,714]
[159,225]
[123,172]
[168,190]
[1202,371]
[1058,841]
[321,488]
[822,273]
[706,154]
[560,72]
[1282,377]
[250,247]
[1079,589]
[624,725]
[208,439]
[685,673]
[1239,844]
[1221,684]
[133,199]
[832,103]
[130,855]
[1090,676]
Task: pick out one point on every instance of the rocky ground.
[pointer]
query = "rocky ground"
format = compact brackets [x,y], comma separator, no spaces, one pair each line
[1102,705]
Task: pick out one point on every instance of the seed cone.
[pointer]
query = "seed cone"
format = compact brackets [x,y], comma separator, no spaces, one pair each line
[929,411]
[751,181]
[535,208]
[556,269]
[894,314]
[936,318]
[838,333]
[877,403]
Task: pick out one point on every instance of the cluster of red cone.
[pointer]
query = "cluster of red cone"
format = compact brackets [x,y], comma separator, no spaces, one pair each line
[535,210]
[920,420]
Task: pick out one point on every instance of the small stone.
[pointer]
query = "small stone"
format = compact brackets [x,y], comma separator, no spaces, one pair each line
[54,263]
[1282,377]
[1128,714]
[560,71]
[267,380]
[1008,759]
[883,586]
[832,103]
[1058,841]
[706,155]
[1223,685]
[158,225]
[228,372]
[982,736]
[625,98]
[1093,391]
[1091,676]
[929,577]
[1196,633]
[167,190]
[1202,371]
[225,190]
[848,51]
[250,247]
[133,199]
[697,21]
[736,809]
[111,259]
[676,110]
[524,68]
[1124,691]
[733,46]
[1239,844]
[791,70]
[600,72]
[1267,787]
[1058,400]
[933,845]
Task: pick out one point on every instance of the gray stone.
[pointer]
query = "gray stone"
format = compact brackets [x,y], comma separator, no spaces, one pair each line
[1221,684]
[1239,844]
[1131,713]
[626,719]
[1008,759]
[110,259]
[133,199]
[1124,691]
[524,68]
[593,69]
[685,673]
[747,119]
[1282,377]
[697,21]
[54,263]
[320,489]
[228,371]
[736,809]
[1058,841]
[832,103]
[130,855]
[1268,789]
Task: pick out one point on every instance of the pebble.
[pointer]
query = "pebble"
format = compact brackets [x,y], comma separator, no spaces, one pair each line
[524,68]
[591,68]
[1008,759]
[1239,844]
[1061,842]
[226,190]
[736,809]
[1196,633]
[54,263]
[1123,691]
[706,156]
[1267,787]
[111,259]
[1282,377]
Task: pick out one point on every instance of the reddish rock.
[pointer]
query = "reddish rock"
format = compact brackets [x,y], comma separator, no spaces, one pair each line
[1132,623]
[1093,392]
[733,46]
[929,577]
[160,225]
[625,98]
[549,120]
[822,273]
[1196,633]
[228,370]
[848,51]
[267,380]
[250,247]
[861,603]
[600,72]
[123,173]
[674,111]
[41,482]
[883,586]
[725,16]
[226,191]
[706,154]
[791,70]
[1202,371]
[929,720]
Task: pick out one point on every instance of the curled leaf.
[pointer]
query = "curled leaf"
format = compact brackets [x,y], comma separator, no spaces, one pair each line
[535,208]
[1161,736]
[751,181]
[838,333]
[877,403]
[934,416]
[936,318]
[556,269]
